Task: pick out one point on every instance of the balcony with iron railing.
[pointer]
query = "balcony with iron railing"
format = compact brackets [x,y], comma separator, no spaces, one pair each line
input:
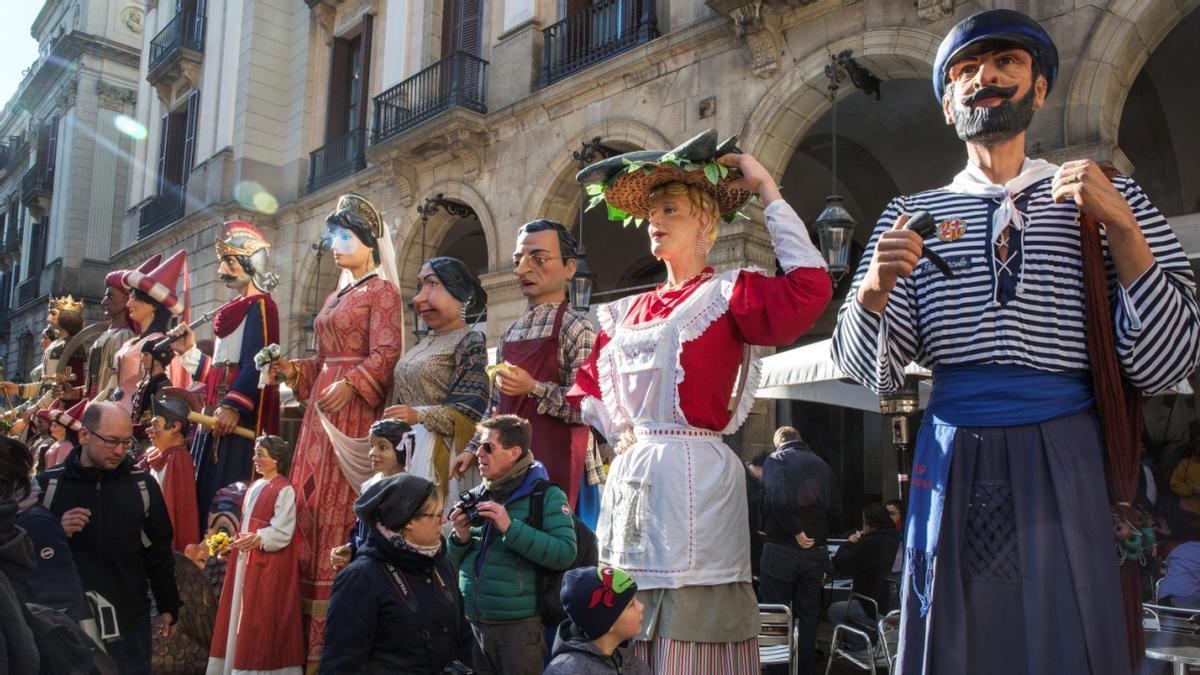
[161,211]
[29,290]
[459,81]
[184,31]
[341,157]
[594,34]
[37,185]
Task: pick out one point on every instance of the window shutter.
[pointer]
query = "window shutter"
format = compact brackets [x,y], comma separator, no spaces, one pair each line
[336,122]
[189,138]
[451,11]
[470,26]
[364,88]
[163,142]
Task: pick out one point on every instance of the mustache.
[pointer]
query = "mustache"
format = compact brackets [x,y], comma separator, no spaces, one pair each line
[989,91]
[229,277]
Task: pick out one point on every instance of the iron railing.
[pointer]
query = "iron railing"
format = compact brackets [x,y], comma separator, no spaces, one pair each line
[29,290]
[594,34]
[185,31]
[341,157]
[457,81]
[37,181]
[161,211]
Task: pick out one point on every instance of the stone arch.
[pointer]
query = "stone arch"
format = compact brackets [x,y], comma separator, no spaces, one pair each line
[408,246]
[788,109]
[1126,34]
[556,194]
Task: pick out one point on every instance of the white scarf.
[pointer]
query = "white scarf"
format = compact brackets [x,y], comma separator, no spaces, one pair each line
[972,181]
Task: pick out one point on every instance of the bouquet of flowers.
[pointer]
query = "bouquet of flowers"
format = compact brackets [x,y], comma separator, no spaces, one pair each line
[219,544]
[263,360]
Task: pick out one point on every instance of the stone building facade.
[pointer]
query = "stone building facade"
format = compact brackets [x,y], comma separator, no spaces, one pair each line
[285,105]
[64,166]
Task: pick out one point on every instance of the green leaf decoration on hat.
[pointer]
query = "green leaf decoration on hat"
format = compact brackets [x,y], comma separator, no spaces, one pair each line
[624,182]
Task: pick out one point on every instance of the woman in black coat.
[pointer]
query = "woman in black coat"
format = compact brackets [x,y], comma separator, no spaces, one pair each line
[397,607]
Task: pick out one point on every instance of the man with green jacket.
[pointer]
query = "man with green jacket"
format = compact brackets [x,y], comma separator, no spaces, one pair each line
[500,554]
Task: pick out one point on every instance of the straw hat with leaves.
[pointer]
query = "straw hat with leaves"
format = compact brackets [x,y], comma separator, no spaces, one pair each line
[624,182]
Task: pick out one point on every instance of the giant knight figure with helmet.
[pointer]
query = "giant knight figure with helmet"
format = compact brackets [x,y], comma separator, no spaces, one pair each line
[243,327]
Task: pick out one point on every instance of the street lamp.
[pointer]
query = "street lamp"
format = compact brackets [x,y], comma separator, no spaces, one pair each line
[579,289]
[835,227]
[310,331]
[430,207]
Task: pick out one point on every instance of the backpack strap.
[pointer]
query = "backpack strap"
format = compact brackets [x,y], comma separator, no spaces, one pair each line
[145,490]
[400,585]
[537,498]
[48,495]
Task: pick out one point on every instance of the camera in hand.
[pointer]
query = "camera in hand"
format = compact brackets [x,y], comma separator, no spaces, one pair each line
[468,503]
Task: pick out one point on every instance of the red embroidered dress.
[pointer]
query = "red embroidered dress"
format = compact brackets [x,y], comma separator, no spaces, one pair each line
[359,335]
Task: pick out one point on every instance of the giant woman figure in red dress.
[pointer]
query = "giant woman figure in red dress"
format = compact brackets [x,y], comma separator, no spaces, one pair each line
[359,333]
[661,375]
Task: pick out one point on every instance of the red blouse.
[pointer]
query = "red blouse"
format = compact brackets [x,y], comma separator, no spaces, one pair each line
[769,311]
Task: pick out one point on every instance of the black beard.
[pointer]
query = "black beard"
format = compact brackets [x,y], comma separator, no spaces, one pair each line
[992,125]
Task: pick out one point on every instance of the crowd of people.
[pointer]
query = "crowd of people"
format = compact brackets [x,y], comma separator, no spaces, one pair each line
[573,507]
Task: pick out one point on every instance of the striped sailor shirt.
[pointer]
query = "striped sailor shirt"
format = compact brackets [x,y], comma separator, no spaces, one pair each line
[1027,310]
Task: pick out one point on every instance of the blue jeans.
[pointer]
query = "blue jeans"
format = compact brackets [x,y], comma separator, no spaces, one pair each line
[131,651]
[792,576]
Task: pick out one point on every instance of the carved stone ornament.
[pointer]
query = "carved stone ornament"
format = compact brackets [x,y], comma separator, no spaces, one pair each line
[134,19]
[760,35]
[934,10]
[113,97]
[66,95]
[405,179]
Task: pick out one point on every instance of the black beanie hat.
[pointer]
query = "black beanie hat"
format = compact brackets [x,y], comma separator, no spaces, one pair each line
[394,501]
[594,597]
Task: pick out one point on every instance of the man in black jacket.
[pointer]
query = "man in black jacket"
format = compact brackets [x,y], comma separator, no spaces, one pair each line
[801,499]
[868,558]
[119,531]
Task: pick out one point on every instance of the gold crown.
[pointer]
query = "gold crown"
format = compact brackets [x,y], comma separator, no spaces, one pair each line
[364,209]
[66,304]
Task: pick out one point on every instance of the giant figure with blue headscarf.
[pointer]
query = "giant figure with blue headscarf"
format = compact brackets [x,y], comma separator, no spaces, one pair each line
[1010,556]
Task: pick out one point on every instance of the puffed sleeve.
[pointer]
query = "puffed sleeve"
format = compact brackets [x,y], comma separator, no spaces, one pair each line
[778,310]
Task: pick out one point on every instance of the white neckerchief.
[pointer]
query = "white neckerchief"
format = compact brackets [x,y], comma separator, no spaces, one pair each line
[972,181]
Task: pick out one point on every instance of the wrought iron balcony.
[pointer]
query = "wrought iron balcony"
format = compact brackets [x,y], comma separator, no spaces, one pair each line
[185,31]
[458,81]
[36,187]
[341,157]
[161,211]
[594,34]
[29,290]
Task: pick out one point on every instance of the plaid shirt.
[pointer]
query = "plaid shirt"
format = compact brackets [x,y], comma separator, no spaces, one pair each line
[575,341]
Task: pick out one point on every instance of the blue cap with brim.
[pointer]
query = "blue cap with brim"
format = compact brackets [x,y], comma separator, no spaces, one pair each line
[1001,25]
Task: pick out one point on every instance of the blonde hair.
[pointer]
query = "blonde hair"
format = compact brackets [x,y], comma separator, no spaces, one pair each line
[704,207]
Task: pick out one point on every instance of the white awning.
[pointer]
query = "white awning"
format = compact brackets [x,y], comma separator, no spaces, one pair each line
[808,374]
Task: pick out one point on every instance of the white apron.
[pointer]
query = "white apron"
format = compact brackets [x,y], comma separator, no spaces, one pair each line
[673,512]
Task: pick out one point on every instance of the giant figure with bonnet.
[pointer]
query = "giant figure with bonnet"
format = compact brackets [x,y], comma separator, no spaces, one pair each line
[660,378]
[359,334]
[1011,564]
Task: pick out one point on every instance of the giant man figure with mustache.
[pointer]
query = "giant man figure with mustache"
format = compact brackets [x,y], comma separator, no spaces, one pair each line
[1009,549]
[243,327]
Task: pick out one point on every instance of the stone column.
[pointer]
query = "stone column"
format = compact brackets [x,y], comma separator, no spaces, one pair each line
[505,302]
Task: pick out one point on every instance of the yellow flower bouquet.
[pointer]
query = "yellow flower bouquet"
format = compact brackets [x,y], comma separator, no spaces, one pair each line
[218,544]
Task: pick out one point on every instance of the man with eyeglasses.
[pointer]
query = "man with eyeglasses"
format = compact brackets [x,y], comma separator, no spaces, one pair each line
[500,548]
[542,351]
[119,530]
